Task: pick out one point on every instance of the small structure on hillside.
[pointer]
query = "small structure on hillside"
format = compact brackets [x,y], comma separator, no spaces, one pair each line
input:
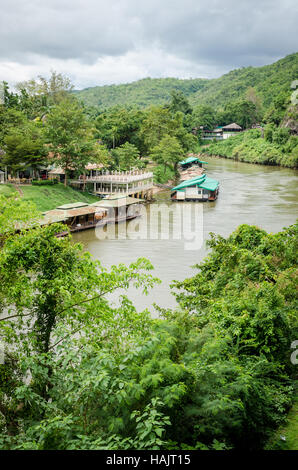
[220,132]
[211,134]
[201,188]
[230,130]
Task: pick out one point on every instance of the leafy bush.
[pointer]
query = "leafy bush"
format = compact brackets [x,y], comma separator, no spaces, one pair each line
[162,175]
[45,182]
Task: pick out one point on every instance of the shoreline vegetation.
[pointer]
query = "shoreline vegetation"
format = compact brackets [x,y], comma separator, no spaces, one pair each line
[251,147]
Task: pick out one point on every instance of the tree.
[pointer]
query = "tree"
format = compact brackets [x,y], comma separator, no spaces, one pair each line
[158,123]
[24,147]
[70,137]
[53,90]
[205,116]
[213,373]
[50,292]
[118,125]
[10,120]
[127,157]
[179,102]
[168,153]
[241,111]
[15,214]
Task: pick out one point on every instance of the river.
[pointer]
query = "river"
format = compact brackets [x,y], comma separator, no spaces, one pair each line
[254,194]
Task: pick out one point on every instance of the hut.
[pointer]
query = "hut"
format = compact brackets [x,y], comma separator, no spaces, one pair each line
[201,188]
[230,130]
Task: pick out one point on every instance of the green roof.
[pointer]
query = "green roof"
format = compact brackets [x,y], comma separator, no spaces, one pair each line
[191,182]
[191,160]
[202,181]
[209,183]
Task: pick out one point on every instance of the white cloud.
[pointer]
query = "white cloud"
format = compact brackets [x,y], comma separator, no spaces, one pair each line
[109,70]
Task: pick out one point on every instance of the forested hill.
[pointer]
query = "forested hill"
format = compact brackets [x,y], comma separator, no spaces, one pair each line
[269,81]
[141,93]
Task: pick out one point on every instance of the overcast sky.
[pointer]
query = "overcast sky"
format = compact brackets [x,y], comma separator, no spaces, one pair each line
[97,42]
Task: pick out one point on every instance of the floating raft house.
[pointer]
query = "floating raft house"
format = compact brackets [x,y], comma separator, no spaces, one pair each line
[201,188]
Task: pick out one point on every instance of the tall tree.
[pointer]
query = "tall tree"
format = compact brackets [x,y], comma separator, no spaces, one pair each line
[24,147]
[127,156]
[168,152]
[70,137]
[54,90]
[179,102]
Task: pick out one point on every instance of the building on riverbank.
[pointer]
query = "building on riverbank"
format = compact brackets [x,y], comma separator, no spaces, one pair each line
[220,132]
[82,216]
[138,184]
[200,188]
[230,130]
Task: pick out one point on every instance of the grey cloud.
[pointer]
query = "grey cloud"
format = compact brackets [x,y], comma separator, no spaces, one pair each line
[211,33]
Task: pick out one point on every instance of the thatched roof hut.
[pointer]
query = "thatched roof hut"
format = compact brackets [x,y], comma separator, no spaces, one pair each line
[232,127]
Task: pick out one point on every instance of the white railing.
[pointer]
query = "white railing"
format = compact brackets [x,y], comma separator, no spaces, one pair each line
[127,177]
[123,190]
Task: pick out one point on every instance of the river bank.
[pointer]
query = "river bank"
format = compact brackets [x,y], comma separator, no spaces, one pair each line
[251,147]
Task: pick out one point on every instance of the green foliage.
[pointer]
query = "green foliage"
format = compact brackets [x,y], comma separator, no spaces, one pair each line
[70,137]
[205,116]
[168,153]
[241,309]
[45,182]
[24,147]
[243,112]
[15,214]
[163,174]
[277,148]
[179,103]
[127,156]
[119,125]
[142,93]
[47,197]
[286,437]
[159,123]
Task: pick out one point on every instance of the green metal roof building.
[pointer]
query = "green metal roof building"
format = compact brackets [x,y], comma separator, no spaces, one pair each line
[200,188]
[192,160]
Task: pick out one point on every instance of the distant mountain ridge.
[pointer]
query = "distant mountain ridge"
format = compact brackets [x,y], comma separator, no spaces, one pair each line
[268,81]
